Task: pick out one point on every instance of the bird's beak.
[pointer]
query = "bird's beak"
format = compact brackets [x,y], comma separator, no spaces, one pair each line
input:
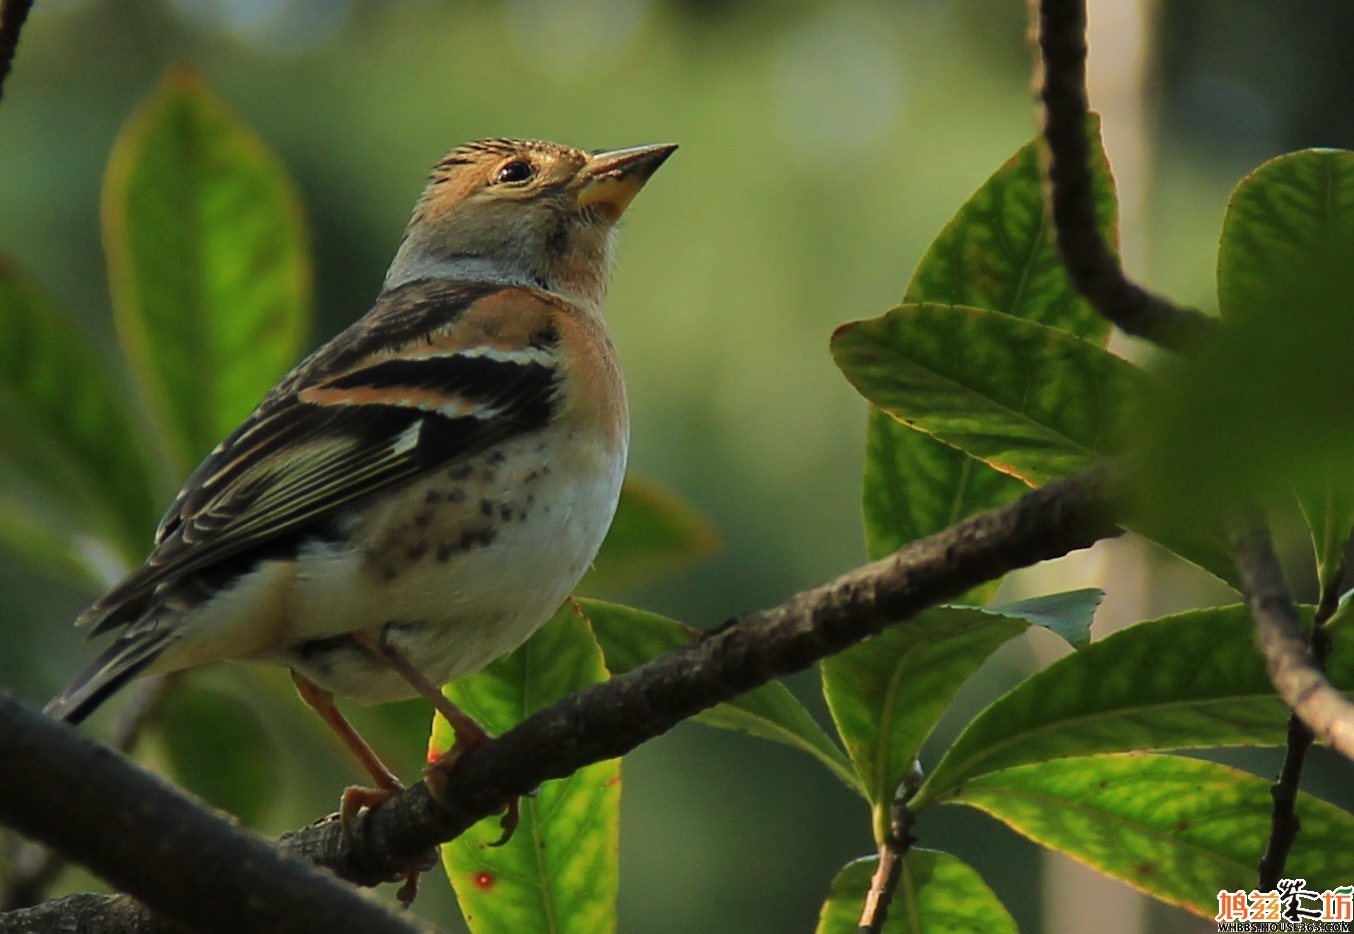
[611,179]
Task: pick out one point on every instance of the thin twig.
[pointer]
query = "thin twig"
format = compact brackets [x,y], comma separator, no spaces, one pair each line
[1288,655]
[892,853]
[1285,824]
[1091,264]
[75,795]
[34,867]
[13,13]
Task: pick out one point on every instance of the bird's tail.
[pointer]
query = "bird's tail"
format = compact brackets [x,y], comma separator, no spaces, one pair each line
[120,662]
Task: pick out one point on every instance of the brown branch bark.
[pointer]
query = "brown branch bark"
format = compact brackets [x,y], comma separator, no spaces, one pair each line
[35,867]
[1284,823]
[192,867]
[1090,262]
[600,722]
[1288,655]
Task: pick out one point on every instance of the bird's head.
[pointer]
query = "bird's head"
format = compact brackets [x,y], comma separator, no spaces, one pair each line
[524,211]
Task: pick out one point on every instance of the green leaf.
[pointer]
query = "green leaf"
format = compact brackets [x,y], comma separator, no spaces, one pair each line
[1180,829]
[631,637]
[208,261]
[219,748]
[1328,506]
[653,534]
[1265,405]
[71,460]
[1030,400]
[559,872]
[1069,613]
[915,486]
[887,693]
[1190,680]
[937,894]
[999,251]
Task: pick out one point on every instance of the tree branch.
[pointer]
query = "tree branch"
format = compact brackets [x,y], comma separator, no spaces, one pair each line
[1284,824]
[1288,656]
[13,13]
[1092,266]
[34,867]
[190,866]
[600,722]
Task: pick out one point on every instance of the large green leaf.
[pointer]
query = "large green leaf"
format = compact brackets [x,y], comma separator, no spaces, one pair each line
[1190,680]
[1030,400]
[653,534]
[208,261]
[72,460]
[631,637]
[559,872]
[1179,829]
[937,894]
[1266,403]
[916,485]
[220,750]
[887,693]
[997,253]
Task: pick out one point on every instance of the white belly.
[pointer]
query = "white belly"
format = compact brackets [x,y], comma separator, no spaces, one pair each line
[455,571]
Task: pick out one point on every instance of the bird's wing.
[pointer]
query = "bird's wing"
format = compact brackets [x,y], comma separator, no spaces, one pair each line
[435,372]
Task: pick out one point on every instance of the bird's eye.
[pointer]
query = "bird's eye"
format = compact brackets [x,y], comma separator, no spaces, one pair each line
[517,171]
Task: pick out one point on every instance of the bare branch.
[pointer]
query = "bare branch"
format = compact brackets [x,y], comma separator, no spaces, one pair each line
[151,841]
[35,867]
[1288,656]
[1093,267]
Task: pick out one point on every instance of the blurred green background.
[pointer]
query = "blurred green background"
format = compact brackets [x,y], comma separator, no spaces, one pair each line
[823,145]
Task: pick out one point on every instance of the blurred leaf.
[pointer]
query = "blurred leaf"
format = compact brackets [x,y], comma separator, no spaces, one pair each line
[208,261]
[1266,405]
[1328,506]
[559,872]
[654,533]
[631,637]
[887,693]
[1179,829]
[220,749]
[937,894]
[71,457]
[997,253]
[1069,613]
[1030,400]
[1189,680]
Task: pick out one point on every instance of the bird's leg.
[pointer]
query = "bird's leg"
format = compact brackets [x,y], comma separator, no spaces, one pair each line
[469,734]
[355,797]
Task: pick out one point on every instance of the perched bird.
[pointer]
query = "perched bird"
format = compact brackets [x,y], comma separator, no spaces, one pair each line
[416,497]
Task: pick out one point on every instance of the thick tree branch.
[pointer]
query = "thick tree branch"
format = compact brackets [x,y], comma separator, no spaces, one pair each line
[35,867]
[1092,266]
[1288,656]
[13,13]
[151,841]
[600,722]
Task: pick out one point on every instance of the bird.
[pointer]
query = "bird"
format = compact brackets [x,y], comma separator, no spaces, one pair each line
[416,497]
